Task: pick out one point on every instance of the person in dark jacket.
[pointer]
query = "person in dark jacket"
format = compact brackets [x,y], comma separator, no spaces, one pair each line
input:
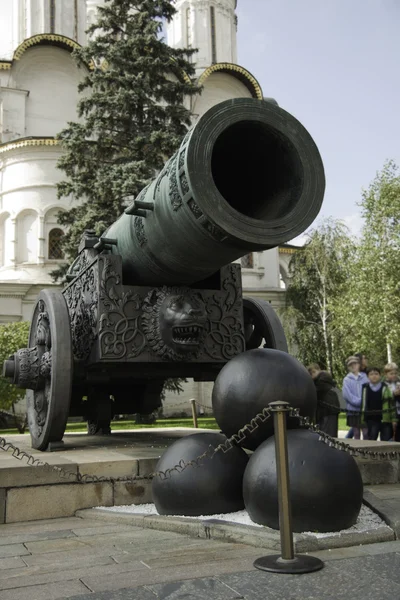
[328,406]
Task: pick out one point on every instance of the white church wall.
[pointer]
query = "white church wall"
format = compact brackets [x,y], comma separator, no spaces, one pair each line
[209,26]
[52,77]
[11,309]
[7,7]
[285,256]
[12,113]
[201,37]
[225,31]
[176,405]
[27,237]
[18,298]
[29,173]
[218,87]
[35,17]
[91,10]
[29,178]
[6,239]
[270,263]
[175,29]
[264,273]
[22,19]
[70,23]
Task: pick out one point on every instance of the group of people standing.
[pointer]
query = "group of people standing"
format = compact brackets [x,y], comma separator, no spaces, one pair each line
[371,397]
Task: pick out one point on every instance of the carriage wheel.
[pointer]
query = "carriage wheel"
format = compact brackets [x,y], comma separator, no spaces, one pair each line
[45,369]
[48,406]
[262,325]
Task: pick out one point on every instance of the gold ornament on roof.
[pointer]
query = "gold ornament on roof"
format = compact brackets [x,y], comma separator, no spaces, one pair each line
[28,142]
[43,37]
[251,81]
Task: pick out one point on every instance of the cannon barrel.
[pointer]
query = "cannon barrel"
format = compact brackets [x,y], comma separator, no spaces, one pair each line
[247,177]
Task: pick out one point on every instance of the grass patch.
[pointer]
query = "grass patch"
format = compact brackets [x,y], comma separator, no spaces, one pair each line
[4,432]
[203,422]
[342,423]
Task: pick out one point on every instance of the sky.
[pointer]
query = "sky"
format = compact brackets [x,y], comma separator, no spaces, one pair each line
[335,65]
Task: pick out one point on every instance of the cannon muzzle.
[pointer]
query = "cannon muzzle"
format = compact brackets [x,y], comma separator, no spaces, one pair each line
[247,177]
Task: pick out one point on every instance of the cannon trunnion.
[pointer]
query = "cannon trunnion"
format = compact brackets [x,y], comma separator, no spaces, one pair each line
[157,296]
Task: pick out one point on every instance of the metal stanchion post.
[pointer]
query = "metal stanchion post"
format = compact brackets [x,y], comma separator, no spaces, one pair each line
[287,562]
[194,413]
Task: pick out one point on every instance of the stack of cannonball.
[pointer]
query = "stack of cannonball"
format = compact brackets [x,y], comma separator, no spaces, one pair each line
[325,483]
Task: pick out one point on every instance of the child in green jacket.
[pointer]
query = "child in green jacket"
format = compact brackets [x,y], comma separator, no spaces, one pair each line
[378,406]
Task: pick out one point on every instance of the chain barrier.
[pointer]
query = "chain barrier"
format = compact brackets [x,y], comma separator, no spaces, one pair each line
[235,440]
[203,405]
[355,412]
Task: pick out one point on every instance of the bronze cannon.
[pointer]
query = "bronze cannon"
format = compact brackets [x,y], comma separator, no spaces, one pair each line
[158,294]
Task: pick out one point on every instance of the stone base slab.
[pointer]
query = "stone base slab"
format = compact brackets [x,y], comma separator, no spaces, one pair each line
[385,501]
[244,534]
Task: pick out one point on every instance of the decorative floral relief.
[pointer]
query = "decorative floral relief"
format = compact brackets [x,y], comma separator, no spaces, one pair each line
[120,335]
[184,184]
[174,195]
[82,299]
[196,210]
[139,230]
[225,337]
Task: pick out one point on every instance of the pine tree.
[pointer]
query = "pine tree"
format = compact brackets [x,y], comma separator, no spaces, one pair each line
[131,112]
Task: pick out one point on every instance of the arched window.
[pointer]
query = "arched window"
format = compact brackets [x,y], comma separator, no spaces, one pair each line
[55,247]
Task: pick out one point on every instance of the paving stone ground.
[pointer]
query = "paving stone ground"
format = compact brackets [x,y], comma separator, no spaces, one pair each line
[88,560]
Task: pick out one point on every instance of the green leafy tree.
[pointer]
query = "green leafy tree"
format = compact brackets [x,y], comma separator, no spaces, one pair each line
[319,276]
[371,308]
[12,337]
[131,113]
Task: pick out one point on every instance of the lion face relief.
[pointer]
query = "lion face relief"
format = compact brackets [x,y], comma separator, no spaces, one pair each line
[174,321]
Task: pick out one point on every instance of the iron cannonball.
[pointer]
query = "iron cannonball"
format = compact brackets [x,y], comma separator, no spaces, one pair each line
[325,485]
[214,487]
[250,381]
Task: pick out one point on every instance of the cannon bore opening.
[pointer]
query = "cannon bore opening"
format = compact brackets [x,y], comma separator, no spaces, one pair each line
[257,170]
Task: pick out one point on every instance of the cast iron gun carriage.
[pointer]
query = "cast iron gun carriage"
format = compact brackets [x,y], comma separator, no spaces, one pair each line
[158,295]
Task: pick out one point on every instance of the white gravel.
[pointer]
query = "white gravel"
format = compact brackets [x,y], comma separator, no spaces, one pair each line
[367,519]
